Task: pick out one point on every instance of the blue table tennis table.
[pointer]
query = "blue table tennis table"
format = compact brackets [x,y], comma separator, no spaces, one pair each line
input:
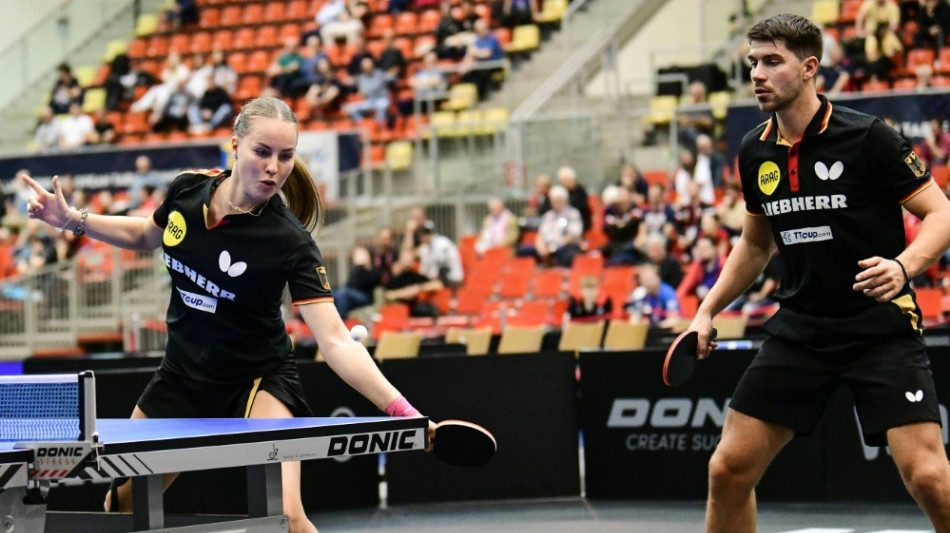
[145,449]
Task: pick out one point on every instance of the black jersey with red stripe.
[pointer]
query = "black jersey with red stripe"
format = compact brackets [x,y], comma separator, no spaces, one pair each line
[224,316]
[832,198]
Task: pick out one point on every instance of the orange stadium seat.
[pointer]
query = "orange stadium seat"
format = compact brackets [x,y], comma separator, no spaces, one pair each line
[248,87]
[940,174]
[244,38]
[157,46]
[943,58]
[919,57]
[849,10]
[298,10]
[200,44]
[209,17]
[406,23]
[266,37]
[254,13]
[138,48]
[238,61]
[428,21]
[928,299]
[222,39]
[378,25]
[258,61]
[275,12]
[548,283]
[230,16]
[291,29]
[180,42]
[875,86]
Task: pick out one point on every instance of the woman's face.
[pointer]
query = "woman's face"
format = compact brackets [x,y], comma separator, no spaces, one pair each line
[264,157]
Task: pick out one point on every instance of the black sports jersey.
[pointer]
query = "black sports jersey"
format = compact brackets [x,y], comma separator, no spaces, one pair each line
[224,317]
[833,198]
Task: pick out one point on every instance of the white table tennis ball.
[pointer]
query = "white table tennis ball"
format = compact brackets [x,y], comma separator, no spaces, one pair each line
[358,333]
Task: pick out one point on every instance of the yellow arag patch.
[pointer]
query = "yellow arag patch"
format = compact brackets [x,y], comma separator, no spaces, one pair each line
[769,176]
[175,230]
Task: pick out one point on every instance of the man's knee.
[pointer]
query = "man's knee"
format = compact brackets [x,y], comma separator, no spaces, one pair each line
[927,478]
[731,471]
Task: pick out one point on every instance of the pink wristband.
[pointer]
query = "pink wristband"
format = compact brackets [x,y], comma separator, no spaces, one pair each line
[401,407]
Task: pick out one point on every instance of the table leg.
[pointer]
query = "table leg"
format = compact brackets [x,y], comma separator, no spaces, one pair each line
[264,490]
[148,506]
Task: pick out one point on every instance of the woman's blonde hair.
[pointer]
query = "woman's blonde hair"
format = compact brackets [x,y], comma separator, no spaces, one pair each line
[301,193]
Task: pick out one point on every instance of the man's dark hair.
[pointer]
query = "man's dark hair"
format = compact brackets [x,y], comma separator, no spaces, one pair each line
[800,35]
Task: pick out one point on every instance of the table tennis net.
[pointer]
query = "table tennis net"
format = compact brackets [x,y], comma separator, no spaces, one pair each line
[42,411]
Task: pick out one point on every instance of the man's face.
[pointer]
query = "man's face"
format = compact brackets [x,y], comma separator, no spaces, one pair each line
[778,76]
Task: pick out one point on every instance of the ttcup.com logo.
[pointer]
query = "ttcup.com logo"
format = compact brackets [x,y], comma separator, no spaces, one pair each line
[655,422]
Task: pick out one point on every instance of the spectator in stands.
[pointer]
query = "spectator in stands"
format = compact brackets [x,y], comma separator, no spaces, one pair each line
[828,42]
[621,223]
[405,285]
[175,113]
[75,129]
[116,88]
[709,226]
[148,200]
[710,164]
[513,13]
[731,209]
[632,180]
[384,251]
[695,121]
[373,85]
[66,90]
[878,22]
[340,21]
[669,269]
[499,228]
[703,271]
[835,77]
[398,6]
[142,177]
[453,35]
[428,86]
[758,297]
[410,238]
[688,173]
[181,13]
[659,217]
[567,177]
[213,110]
[936,145]
[391,60]
[284,72]
[653,299]
[933,24]
[592,303]
[688,216]
[35,253]
[362,281]
[484,49]
[540,202]
[156,97]
[46,134]
[223,73]
[323,90]
[104,128]
[310,66]
[560,232]
[355,66]
[201,69]
[439,257]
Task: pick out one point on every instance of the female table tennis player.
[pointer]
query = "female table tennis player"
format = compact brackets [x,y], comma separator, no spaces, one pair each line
[231,244]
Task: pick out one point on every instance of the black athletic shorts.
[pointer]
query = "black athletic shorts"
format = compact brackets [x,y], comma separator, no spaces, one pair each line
[172,394]
[789,384]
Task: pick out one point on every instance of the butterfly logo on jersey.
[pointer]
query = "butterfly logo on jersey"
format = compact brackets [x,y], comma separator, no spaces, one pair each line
[915,165]
[232,269]
[914,397]
[824,173]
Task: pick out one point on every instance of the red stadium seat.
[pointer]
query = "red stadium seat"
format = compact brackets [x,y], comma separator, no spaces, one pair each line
[266,37]
[180,42]
[222,39]
[248,87]
[548,283]
[378,25]
[258,61]
[244,38]
[138,48]
[919,57]
[238,61]
[298,10]
[157,46]
[200,44]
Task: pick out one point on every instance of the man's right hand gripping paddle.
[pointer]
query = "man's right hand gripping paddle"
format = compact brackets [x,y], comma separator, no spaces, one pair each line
[682,356]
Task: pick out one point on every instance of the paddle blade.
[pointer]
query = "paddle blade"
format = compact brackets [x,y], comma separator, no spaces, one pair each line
[462,443]
[681,358]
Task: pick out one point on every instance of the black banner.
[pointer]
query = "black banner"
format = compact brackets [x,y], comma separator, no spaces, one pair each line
[526,401]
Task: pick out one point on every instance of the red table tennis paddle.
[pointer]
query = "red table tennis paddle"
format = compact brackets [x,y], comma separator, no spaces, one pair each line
[681,358]
[461,443]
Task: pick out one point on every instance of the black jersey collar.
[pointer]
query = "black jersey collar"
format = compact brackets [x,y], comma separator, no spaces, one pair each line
[817,126]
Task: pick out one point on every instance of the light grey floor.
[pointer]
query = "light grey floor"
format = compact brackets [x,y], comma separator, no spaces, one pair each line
[578,515]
